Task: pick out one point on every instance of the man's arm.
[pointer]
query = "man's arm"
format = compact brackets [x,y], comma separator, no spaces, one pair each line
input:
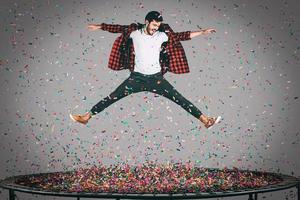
[202,32]
[112,28]
[180,36]
[187,35]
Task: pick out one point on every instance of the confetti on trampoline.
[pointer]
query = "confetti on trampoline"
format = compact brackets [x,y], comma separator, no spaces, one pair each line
[149,178]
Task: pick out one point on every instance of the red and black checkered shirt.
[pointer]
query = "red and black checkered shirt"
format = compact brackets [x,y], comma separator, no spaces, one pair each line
[172,56]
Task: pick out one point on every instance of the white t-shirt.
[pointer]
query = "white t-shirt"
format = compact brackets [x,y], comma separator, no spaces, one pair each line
[147,49]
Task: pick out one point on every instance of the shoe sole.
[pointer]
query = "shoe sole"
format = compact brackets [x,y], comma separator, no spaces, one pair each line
[72,118]
[217,121]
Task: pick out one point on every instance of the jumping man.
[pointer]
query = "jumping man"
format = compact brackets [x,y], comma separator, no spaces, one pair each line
[148,50]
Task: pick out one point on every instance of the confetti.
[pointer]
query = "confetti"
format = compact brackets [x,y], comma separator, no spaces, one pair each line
[148,178]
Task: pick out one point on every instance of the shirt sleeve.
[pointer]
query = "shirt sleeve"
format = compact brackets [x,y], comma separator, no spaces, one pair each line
[181,36]
[113,28]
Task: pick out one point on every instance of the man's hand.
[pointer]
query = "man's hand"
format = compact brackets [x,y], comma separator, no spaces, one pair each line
[207,31]
[94,27]
[202,32]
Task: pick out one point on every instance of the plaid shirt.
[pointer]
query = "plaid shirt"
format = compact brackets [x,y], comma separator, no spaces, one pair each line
[172,55]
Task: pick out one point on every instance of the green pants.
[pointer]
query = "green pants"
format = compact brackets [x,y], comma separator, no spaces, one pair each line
[155,83]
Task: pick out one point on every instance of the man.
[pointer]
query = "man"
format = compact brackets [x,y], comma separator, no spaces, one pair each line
[148,50]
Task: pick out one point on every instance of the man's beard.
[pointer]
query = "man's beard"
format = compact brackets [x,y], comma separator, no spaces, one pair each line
[149,30]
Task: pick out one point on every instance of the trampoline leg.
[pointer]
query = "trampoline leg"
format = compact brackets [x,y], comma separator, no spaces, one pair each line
[250,197]
[11,194]
[255,196]
[78,198]
[298,187]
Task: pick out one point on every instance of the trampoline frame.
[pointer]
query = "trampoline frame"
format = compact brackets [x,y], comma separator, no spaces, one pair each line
[288,182]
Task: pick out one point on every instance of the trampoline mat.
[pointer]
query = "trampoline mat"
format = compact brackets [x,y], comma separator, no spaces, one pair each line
[148,178]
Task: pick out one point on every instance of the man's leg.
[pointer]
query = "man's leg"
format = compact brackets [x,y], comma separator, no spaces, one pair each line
[129,86]
[126,88]
[164,88]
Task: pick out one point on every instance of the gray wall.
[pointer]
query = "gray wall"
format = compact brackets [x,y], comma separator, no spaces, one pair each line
[248,72]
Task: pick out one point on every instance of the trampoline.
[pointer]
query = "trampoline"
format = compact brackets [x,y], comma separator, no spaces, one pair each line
[150,181]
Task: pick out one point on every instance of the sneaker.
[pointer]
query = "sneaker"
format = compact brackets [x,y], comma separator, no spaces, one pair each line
[83,119]
[212,121]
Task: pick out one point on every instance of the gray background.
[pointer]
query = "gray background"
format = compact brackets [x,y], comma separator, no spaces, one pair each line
[248,72]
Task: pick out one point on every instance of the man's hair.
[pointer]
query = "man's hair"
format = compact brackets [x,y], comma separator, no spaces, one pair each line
[154,15]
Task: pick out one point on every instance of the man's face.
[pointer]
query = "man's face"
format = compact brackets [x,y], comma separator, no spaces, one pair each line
[152,27]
